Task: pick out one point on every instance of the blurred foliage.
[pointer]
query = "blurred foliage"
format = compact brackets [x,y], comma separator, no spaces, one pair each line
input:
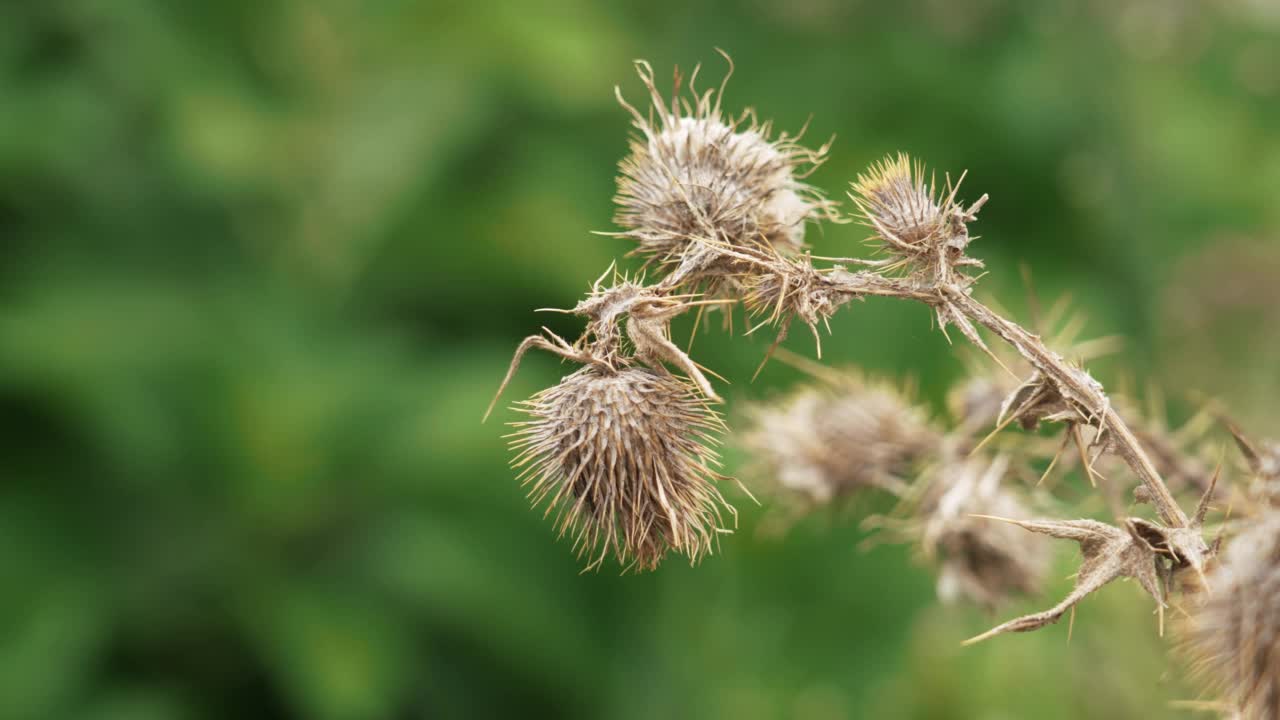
[265,261]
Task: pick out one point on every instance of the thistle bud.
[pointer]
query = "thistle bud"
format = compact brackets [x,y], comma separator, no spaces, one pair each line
[624,459]
[697,184]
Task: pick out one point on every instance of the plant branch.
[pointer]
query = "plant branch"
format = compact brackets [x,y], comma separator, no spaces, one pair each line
[1074,384]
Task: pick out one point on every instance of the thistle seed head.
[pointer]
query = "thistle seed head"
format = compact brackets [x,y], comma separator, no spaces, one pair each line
[982,560]
[822,444]
[696,186]
[1235,634]
[923,230]
[625,460]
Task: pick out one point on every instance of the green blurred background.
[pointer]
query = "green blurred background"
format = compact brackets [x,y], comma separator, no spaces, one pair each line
[264,263]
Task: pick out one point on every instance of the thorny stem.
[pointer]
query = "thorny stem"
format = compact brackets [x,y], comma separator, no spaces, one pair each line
[1052,365]
[1071,381]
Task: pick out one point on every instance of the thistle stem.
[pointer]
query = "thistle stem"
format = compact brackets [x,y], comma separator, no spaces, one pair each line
[1073,382]
[1054,366]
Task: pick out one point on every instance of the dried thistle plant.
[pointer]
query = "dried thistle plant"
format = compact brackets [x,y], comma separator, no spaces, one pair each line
[621,447]
[920,230]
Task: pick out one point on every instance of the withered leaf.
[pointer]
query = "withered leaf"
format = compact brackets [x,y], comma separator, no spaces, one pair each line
[1109,553]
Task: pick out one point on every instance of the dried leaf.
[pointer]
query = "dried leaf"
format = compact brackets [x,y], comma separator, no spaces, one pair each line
[1109,553]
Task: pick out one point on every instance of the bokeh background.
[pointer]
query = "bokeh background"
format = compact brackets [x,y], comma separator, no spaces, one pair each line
[264,262]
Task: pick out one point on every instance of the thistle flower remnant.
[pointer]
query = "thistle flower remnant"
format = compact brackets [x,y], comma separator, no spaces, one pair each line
[827,443]
[697,185]
[1235,635]
[624,459]
[982,560]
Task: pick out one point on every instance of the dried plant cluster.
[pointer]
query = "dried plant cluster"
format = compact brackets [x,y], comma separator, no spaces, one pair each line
[622,449]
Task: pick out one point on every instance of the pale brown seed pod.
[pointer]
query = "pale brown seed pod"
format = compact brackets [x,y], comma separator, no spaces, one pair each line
[1234,636]
[698,186]
[826,443]
[625,460]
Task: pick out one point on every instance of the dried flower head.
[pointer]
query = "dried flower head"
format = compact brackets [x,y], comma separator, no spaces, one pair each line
[625,460]
[919,228]
[982,560]
[1235,634]
[828,442]
[697,186]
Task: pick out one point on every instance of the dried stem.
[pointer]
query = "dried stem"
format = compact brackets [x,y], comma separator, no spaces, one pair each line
[1055,367]
[1073,383]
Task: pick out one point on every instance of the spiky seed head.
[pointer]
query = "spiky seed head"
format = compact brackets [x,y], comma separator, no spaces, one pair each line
[625,460]
[822,444]
[1235,634]
[893,193]
[697,185]
[981,560]
[924,229]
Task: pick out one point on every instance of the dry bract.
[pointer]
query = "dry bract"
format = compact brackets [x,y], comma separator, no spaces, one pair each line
[625,461]
[1153,554]
[1107,553]
[1264,462]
